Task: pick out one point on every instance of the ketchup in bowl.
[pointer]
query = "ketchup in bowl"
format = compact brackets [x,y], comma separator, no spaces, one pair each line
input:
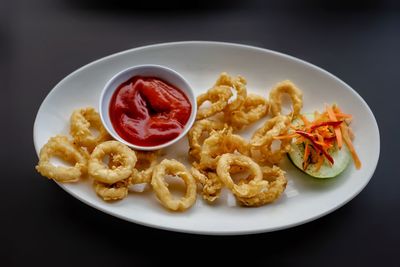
[147,111]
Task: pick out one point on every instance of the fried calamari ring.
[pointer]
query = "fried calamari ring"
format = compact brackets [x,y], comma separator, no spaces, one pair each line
[218,96]
[116,191]
[255,183]
[110,192]
[254,108]
[143,171]
[210,183]
[262,140]
[60,146]
[198,130]
[124,160]
[273,127]
[277,184]
[285,87]
[173,167]
[239,84]
[221,142]
[81,122]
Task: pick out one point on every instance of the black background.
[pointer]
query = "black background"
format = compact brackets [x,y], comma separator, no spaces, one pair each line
[43,41]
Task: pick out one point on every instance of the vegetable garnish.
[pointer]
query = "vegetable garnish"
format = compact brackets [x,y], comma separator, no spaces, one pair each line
[317,146]
[326,133]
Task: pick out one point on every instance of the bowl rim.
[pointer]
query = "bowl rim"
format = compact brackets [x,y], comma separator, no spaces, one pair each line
[188,91]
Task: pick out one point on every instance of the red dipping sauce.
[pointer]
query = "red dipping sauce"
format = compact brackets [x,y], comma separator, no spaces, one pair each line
[147,111]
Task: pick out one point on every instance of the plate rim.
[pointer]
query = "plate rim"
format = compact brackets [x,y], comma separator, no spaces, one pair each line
[230,44]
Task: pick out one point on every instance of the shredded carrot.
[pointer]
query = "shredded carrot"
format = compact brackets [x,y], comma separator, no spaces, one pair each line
[325,123]
[306,156]
[332,116]
[317,146]
[321,134]
[344,116]
[349,144]
[330,139]
[336,108]
[320,141]
[340,114]
[323,144]
[317,115]
[305,121]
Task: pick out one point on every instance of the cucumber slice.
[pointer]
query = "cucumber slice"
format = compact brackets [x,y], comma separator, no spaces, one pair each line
[341,159]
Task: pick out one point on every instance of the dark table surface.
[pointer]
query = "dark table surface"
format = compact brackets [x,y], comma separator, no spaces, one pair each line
[43,41]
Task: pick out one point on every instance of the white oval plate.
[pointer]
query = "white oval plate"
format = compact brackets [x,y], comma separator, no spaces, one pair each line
[305,198]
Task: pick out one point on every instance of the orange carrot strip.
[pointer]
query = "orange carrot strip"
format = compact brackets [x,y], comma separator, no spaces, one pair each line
[325,123]
[349,144]
[339,113]
[306,156]
[305,121]
[336,108]
[322,144]
[321,141]
[317,115]
[317,146]
[332,117]
[342,115]
[330,139]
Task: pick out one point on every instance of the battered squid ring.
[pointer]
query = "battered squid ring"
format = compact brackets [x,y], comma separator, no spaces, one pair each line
[218,96]
[285,87]
[81,121]
[275,156]
[196,132]
[143,158]
[261,142]
[239,84]
[277,184]
[221,142]
[254,108]
[60,146]
[273,127]
[210,183]
[255,183]
[173,167]
[110,192]
[123,158]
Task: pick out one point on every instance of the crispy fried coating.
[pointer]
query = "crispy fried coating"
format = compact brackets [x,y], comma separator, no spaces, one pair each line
[143,171]
[253,185]
[210,183]
[253,109]
[295,94]
[218,96]
[221,142]
[263,138]
[81,121]
[124,161]
[239,85]
[198,130]
[277,184]
[160,186]
[60,146]
[111,192]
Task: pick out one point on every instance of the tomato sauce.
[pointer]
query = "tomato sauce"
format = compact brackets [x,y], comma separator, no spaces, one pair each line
[147,111]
